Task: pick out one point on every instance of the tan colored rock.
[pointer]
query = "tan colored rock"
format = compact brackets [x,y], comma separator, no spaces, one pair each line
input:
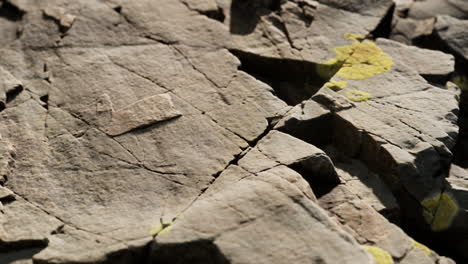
[145,112]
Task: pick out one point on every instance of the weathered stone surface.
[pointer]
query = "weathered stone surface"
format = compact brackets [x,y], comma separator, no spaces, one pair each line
[145,112]
[228,217]
[213,131]
[431,8]
[25,225]
[277,148]
[407,30]
[370,228]
[428,63]
[453,32]
[367,186]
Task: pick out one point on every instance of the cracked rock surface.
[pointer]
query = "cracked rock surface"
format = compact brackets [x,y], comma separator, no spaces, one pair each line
[233,131]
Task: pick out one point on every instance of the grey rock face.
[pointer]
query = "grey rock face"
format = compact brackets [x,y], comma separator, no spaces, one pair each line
[224,131]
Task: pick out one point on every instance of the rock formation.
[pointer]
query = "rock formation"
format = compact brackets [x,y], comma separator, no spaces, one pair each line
[233,131]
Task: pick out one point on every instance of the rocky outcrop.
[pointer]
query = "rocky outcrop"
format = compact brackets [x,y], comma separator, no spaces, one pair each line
[227,131]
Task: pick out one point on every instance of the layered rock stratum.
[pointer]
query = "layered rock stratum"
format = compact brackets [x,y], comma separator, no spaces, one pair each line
[233,131]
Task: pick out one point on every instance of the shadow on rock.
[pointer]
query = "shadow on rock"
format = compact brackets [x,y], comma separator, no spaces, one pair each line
[245,14]
[194,252]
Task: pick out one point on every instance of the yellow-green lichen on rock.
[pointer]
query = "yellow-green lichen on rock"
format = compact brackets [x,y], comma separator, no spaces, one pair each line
[327,69]
[461,81]
[439,211]
[422,247]
[366,60]
[353,36]
[358,96]
[360,60]
[381,256]
[336,85]
[161,229]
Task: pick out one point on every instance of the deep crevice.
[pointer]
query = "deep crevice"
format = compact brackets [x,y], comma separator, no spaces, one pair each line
[461,147]
[316,132]
[10,12]
[13,93]
[245,14]
[320,185]
[292,80]
[352,143]
[194,252]
[131,254]
[384,28]
[19,255]
[118,9]
[8,247]
[45,100]
[217,15]
[435,42]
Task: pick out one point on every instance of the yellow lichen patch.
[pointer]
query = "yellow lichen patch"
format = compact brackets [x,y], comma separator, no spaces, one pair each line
[360,60]
[366,61]
[461,81]
[422,247]
[336,85]
[161,229]
[327,69]
[380,255]
[358,96]
[353,36]
[439,211]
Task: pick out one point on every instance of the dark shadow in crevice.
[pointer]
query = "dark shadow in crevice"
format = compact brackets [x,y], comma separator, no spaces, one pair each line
[13,93]
[118,9]
[10,12]
[245,14]
[217,15]
[195,252]
[321,178]
[461,147]
[45,100]
[131,254]
[435,42]
[314,131]
[2,106]
[384,28]
[343,142]
[362,146]
[19,255]
[8,247]
[292,80]
[320,185]
[445,242]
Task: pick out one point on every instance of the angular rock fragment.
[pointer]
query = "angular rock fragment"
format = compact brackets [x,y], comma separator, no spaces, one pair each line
[64,19]
[24,225]
[431,8]
[370,228]
[277,148]
[9,87]
[433,65]
[6,194]
[452,31]
[238,222]
[142,113]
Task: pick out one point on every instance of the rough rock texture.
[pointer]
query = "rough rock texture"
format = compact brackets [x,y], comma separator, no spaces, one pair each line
[232,131]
